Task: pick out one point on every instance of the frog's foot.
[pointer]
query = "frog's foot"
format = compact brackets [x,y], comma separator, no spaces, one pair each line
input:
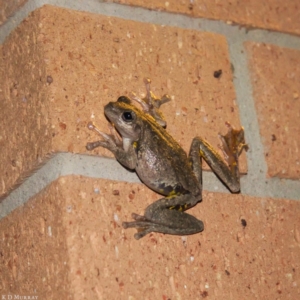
[151,99]
[185,225]
[110,141]
[233,144]
[142,225]
[151,104]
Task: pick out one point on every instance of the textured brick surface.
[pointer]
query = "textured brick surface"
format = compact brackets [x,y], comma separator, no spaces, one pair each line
[271,14]
[275,76]
[66,81]
[58,69]
[25,125]
[8,8]
[249,248]
[33,249]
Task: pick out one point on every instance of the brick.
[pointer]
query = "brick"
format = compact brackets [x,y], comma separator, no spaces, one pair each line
[73,63]
[270,14]
[275,75]
[8,8]
[25,126]
[68,242]
[34,258]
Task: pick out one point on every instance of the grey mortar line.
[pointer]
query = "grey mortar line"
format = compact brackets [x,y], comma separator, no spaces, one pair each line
[255,183]
[154,17]
[64,164]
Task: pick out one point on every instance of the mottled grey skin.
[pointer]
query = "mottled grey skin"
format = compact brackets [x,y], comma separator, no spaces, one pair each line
[162,164]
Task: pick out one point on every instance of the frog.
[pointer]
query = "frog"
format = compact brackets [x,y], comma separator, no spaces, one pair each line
[140,142]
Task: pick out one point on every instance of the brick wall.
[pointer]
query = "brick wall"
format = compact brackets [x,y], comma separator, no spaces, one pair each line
[62,207]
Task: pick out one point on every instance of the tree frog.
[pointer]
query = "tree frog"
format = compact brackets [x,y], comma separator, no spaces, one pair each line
[140,142]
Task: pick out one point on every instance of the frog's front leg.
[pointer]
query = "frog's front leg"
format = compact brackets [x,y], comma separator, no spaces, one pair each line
[233,144]
[167,216]
[151,103]
[122,149]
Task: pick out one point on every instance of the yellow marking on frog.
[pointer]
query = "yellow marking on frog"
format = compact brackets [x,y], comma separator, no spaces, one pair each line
[172,193]
[180,207]
[171,196]
[201,153]
[134,144]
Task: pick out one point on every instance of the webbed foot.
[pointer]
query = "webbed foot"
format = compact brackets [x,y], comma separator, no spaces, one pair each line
[142,225]
[151,103]
[233,143]
[168,221]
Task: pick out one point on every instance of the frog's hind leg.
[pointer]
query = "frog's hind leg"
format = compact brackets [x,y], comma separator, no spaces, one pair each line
[166,216]
[233,144]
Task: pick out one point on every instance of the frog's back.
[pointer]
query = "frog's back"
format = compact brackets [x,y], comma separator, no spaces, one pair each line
[162,164]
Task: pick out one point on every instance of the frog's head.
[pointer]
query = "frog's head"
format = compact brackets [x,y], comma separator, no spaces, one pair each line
[125,117]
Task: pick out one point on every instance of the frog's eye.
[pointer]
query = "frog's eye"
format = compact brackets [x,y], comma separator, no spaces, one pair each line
[127,116]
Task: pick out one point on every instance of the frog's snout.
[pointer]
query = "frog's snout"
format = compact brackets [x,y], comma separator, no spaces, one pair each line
[108,106]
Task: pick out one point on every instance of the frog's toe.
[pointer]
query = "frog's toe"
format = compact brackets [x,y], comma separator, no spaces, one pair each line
[105,136]
[138,217]
[143,228]
[142,233]
[164,99]
[136,224]
[126,225]
[92,145]
[233,142]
